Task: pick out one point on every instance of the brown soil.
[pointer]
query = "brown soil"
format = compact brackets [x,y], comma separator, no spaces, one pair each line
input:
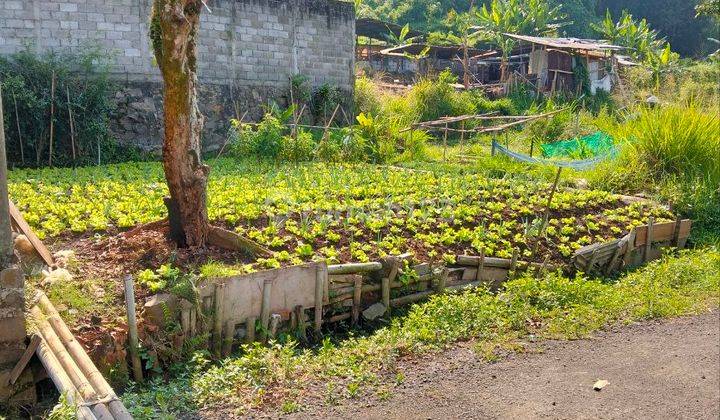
[659,369]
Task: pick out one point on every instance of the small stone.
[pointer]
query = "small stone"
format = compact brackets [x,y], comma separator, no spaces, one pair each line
[374,311]
[602,383]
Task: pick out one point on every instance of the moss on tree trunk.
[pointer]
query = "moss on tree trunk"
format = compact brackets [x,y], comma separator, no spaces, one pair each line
[173,31]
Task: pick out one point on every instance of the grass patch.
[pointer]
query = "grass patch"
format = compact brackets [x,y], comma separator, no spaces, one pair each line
[553,307]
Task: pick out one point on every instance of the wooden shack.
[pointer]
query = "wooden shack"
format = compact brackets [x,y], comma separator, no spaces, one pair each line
[553,63]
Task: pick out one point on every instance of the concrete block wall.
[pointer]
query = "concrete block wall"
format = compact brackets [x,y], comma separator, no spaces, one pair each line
[248,51]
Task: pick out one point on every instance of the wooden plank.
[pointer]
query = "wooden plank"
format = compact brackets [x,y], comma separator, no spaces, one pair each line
[24,359]
[662,232]
[23,226]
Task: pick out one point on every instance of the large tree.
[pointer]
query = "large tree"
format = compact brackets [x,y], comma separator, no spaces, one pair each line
[174,28]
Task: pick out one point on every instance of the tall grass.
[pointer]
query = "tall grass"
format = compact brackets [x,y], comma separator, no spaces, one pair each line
[672,152]
[673,141]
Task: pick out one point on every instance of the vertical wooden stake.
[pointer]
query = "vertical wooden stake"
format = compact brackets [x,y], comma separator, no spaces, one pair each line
[613,260]
[462,134]
[52,116]
[193,322]
[265,309]
[513,264]
[676,233]
[630,246]
[132,328]
[218,320]
[549,202]
[301,325]
[320,279]
[385,286]
[481,265]
[442,280]
[591,262]
[357,296]
[648,239]
[250,330]
[229,338]
[532,145]
[492,147]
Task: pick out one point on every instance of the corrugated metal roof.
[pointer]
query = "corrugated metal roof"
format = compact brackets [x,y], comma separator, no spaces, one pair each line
[569,43]
[440,51]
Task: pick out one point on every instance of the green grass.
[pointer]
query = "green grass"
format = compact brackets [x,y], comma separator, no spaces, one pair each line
[559,307]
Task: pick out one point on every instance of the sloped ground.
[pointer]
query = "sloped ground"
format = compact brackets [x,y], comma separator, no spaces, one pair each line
[661,369]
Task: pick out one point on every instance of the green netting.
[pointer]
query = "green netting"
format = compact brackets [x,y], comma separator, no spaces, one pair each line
[594,144]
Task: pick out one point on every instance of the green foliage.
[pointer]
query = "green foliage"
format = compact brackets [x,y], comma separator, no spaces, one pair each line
[26,86]
[559,307]
[64,410]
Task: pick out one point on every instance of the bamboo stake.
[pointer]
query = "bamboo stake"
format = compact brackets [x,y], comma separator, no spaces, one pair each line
[98,382]
[386,294]
[218,318]
[17,124]
[357,297]
[550,197]
[676,233]
[72,124]
[132,329]
[513,263]
[52,116]
[265,309]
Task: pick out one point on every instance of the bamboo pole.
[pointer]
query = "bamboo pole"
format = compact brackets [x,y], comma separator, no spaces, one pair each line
[445,138]
[68,364]
[513,263]
[132,329]
[62,381]
[218,318]
[480,265]
[52,116]
[550,197]
[386,294]
[98,382]
[357,297]
[265,309]
[72,124]
[17,124]
[353,268]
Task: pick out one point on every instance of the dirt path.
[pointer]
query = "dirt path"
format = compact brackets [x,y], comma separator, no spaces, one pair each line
[665,369]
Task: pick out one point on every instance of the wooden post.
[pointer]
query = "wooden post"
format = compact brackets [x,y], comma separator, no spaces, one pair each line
[513,264]
[265,309]
[630,246]
[6,239]
[648,239]
[301,325]
[591,262]
[320,279]
[676,233]
[532,145]
[481,265]
[218,318]
[492,147]
[613,260]
[132,329]
[250,330]
[229,338]
[462,134]
[550,197]
[52,115]
[357,297]
[442,280]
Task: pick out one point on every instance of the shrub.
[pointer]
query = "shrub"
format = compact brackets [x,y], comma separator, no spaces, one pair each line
[367,96]
[84,77]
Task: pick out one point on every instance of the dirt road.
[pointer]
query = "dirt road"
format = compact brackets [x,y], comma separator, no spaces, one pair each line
[664,369]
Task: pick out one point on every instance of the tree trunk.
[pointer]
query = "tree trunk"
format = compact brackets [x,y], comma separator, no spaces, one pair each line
[173,32]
